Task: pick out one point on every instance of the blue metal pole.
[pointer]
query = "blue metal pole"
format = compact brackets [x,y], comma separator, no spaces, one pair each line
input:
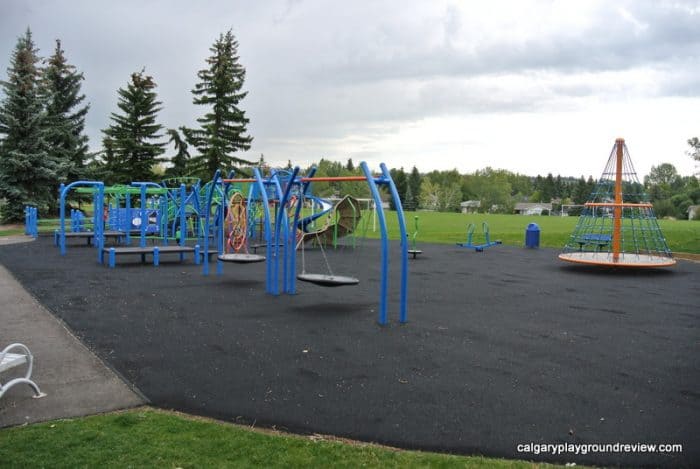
[384,243]
[210,198]
[127,217]
[404,242]
[99,221]
[142,240]
[183,224]
[62,219]
[282,215]
[221,216]
[293,259]
[268,230]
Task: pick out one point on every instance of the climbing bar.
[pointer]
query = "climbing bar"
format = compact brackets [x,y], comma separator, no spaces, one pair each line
[614,204]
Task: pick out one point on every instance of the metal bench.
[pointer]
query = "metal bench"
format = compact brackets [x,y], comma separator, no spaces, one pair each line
[597,240]
[19,357]
[156,251]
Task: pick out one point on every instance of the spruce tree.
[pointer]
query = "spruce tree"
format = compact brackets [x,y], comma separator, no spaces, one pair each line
[414,183]
[27,172]
[222,130]
[65,117]
[181,159]
[135,133]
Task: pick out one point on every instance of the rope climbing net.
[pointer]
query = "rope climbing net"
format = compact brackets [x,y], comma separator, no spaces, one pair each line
[617,226]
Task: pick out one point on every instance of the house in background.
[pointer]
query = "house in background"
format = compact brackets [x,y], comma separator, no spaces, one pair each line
[470,206]
[694,212]
[532,208]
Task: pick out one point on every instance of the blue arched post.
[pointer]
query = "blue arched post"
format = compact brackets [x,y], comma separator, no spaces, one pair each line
[183,224]
[383,285]
[98,227]
[64,190]
[142,216]
[221,217]
[268,231]
[297,212]
[144,211]
[282,215]
[207,224]
[127,211]
[404,241]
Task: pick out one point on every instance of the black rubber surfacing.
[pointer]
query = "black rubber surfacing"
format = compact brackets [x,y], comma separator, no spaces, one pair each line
[504,347]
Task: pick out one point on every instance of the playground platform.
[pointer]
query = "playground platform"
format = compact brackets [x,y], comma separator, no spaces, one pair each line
[505,347]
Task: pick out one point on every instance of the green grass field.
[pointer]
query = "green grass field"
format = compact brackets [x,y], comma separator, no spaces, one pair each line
[449,228]
[151,438]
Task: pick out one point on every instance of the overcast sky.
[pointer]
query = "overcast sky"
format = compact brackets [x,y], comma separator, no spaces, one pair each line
[529,86]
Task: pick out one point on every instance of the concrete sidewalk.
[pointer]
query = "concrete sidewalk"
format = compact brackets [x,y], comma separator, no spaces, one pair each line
[75,381]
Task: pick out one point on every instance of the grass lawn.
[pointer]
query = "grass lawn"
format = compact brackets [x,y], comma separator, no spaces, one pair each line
[449,228]
[4,231]
[152,438]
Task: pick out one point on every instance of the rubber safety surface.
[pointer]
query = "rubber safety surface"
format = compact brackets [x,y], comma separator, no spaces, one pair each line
[503,348]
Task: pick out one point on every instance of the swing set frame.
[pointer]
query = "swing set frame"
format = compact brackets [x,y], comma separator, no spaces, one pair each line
[280,237]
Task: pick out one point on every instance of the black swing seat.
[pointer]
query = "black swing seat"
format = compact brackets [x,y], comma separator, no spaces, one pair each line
[328,280]
[415,252]
[241,258]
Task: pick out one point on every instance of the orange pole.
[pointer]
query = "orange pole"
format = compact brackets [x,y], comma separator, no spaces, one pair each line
[617,214]
[239,180]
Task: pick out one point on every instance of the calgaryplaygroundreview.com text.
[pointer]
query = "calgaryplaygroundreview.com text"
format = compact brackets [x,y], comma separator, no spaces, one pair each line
[586,448]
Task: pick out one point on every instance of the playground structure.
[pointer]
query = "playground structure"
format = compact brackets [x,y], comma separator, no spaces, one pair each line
[342,220]
[617,226]
[283,229]
[487,238]
[155,218]
[221,214]
[414,251]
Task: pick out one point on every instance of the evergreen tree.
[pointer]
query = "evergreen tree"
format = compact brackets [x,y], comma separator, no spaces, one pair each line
[65,117]
[106,168]
[222,130]
[548,188]
[181,159]
[414,183]
[350,166]
[133,135]
[27,172]
[400,181]
[581,192]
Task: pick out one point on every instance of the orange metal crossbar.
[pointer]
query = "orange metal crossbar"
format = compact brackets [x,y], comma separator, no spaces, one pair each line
[613,204]
[318,179]
[334,178]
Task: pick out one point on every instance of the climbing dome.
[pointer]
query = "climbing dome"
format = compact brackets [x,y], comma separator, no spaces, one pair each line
[617,226]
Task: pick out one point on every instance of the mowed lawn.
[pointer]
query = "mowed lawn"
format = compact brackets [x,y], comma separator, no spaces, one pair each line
[437,227]
[152,438]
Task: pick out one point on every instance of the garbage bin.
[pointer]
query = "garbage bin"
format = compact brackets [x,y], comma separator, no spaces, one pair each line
[532,236]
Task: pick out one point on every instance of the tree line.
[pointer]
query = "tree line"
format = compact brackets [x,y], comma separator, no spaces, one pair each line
[42,127]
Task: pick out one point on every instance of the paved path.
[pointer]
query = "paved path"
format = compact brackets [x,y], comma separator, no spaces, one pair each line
[76,382]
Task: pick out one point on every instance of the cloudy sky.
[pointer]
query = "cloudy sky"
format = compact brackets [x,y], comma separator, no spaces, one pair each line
[529,86]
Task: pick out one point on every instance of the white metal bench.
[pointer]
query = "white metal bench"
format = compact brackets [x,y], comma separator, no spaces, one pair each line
[19,357]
